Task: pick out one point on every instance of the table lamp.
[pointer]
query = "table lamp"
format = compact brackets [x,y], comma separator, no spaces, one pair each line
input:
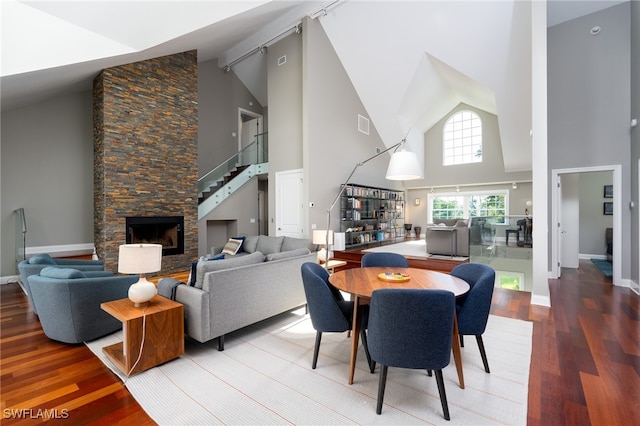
[321,237]
[140,259]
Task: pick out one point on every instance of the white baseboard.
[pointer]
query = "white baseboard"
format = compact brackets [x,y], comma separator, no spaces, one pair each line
[592,256]
[541,300]
[65,250]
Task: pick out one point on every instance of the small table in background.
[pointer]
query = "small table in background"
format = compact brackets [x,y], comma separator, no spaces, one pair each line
[163,333]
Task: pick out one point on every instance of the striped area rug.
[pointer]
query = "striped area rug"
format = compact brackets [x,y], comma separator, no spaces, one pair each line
[264,376]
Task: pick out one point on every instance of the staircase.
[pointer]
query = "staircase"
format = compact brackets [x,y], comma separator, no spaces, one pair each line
[224,180]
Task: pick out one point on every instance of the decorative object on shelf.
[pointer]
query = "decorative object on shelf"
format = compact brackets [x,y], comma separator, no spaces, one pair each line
[418,230]
[402,166]
[324,238]
[140,259]
[407,227]
[608,191]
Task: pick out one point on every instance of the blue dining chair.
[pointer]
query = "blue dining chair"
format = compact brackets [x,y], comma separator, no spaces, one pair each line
[473,308]
[411,328]
[392,260]
[327,308]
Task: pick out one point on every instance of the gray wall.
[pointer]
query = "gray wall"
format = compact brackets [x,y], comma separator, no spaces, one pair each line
[589,100]
[220,95]
[592,220]
[491,169]
[47,169]
[332,143]
[634,226]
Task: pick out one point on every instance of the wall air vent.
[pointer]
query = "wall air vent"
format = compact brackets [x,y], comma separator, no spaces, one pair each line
[363,124]
[282,60]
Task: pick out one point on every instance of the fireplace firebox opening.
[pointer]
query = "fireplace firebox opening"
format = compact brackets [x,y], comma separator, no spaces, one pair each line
[165,230]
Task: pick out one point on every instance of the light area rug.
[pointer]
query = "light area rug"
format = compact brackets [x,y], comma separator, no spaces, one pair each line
[413,248]
[264,376]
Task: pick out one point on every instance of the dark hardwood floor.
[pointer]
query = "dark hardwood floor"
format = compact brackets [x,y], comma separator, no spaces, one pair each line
[585,363]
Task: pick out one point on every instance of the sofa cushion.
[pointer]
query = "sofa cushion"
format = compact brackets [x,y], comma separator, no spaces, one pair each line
[61,273]
[290,243]
[241,249]
[268,245]
[250,243]
[194,267]
[42,259]
[232,247]
[204,267]
[287,254]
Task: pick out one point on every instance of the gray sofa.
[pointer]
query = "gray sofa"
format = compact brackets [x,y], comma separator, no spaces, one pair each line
[262,281]
[68,302]
[447,233]
[36,263]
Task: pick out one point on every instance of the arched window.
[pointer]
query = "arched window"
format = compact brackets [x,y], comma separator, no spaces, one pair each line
[462,139]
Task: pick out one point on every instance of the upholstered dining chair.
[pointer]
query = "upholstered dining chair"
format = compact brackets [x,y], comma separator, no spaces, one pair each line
[327,308]
[384,259]
[473,308]
[411,328]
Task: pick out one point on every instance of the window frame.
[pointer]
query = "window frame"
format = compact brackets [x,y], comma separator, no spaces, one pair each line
[464,142]
[466,201]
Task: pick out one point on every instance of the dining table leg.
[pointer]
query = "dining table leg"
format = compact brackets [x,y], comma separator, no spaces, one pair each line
[355,336]
[457,354]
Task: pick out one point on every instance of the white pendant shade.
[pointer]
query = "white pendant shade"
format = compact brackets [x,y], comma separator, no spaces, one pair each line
[404,166]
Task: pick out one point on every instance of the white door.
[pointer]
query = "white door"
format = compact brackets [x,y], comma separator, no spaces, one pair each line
[289,201]
[569,226]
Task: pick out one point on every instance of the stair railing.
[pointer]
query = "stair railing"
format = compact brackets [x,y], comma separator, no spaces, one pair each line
[256,152]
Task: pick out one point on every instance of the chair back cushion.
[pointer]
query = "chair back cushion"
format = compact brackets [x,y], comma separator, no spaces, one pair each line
[325,312]
[411,328]
[393,260]
[473,308]
[61,273]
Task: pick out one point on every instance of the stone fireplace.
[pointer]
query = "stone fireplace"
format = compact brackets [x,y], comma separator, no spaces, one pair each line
[146,158]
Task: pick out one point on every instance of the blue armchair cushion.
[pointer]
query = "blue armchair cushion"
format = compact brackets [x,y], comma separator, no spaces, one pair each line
[42,259]
[61,273]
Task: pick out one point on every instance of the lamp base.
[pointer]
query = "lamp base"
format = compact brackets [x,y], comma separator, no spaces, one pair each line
[142,291]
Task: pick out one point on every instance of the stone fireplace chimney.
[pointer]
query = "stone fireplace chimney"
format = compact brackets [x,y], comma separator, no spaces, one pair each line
[145,131]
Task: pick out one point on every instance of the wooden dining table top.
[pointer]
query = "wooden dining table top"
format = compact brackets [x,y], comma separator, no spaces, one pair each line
[363,281]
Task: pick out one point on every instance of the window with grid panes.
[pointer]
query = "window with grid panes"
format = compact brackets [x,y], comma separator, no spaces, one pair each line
[462,139]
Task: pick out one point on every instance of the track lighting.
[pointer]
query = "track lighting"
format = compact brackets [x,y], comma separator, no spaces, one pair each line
[262,49]
[227,68]
[514,185]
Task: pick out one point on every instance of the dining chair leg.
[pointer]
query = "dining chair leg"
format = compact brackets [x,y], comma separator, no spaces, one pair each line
[365,344]
[443,394]
[483,354]
[381,385]
[461,341]
[316,349]
[429,373]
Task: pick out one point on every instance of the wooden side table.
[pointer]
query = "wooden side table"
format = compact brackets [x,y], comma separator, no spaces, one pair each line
[163,333]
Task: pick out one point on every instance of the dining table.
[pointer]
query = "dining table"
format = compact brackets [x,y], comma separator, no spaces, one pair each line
[362,282]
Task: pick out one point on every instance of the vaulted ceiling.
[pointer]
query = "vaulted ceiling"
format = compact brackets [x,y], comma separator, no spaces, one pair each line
[410,62]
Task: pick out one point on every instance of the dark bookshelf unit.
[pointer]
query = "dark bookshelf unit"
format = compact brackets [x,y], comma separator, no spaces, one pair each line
[371,215]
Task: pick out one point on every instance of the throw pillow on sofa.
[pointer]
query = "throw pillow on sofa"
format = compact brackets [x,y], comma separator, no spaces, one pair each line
[41,259]
[232,247]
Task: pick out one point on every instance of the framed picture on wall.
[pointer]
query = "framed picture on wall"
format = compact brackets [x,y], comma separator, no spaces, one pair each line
[608,191]
[608,208]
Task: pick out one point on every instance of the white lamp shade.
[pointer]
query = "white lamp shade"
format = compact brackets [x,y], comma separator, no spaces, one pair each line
[320,236]
[404,166]
[139,258]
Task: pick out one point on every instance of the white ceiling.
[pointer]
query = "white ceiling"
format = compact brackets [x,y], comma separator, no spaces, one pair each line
[51,47]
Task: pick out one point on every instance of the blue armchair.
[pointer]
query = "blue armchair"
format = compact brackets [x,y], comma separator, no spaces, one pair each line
[327,308]
[68,302]
[473,308]
[36,263]
[410,328]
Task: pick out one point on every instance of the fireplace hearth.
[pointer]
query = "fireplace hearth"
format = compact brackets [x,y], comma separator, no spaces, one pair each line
[167,231]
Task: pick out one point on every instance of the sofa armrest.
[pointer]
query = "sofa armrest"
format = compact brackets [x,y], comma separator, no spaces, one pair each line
[196,311]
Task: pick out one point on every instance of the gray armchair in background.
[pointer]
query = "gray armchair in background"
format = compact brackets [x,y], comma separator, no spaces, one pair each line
[448,237]
[36,263]
[68,302]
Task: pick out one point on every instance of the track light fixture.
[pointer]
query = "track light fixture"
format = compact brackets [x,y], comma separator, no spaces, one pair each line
[227,68]
[514,185]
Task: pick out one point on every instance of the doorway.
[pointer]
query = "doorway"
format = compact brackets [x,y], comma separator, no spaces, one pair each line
[250,124]
[565,181]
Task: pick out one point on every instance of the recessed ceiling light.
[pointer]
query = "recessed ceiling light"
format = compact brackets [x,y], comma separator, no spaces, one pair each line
[595,30]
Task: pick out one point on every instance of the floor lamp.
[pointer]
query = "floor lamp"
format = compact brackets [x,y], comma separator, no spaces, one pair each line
[402,166]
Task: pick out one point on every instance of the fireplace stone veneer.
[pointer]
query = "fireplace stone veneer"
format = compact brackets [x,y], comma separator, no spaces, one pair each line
[146,152]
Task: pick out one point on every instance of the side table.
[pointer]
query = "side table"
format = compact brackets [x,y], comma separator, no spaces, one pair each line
[163,333]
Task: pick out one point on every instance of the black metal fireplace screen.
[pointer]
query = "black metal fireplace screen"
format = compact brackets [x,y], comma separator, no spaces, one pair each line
[165,230]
